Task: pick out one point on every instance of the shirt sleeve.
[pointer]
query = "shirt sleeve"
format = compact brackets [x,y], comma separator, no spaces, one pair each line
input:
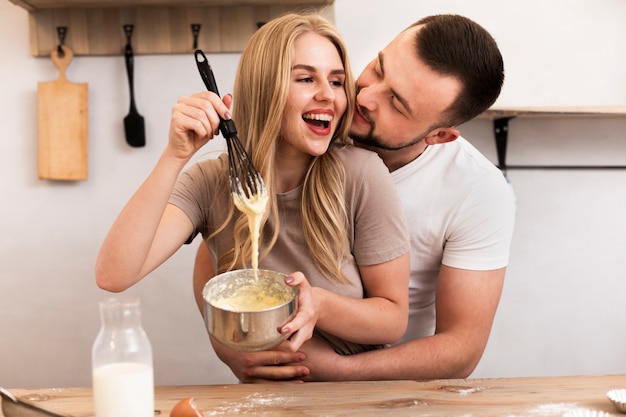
[193,193]
[480,235]
[380,231]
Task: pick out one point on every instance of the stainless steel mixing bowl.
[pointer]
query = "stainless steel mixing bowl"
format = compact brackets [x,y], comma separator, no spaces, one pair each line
[240,325]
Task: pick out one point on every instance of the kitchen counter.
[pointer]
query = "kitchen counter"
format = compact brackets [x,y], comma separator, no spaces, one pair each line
[544,396]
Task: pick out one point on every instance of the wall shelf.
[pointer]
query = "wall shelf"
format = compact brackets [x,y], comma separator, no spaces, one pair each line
[501,116]
[96,27]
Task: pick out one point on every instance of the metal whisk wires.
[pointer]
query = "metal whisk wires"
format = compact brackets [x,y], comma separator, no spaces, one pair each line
[246,183]
[244,177]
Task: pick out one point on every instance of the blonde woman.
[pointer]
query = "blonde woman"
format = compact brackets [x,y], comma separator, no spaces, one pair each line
[339,225]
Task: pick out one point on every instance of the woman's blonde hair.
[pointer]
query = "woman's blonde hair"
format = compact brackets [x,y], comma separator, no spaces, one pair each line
[260,97]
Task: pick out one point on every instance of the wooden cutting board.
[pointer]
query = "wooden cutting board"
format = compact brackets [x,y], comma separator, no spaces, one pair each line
[62,125]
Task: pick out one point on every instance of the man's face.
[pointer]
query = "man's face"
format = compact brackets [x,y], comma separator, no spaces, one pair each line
[399,99]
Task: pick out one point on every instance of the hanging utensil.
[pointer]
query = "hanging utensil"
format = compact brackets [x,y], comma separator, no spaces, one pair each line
[62,123]
[134,127]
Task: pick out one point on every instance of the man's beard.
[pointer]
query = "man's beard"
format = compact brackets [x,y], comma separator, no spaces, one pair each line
[371,140]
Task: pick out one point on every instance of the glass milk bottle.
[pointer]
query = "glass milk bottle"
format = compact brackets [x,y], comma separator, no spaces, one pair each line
[123,382]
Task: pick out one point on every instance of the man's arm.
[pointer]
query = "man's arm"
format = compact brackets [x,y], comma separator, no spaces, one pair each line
[202,273]
[466,304]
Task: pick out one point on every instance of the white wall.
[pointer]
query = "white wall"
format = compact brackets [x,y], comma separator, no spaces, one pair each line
[562,307]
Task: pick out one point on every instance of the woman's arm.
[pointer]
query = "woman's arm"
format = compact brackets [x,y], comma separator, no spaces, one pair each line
[380,317]
[149,230]
[139,240]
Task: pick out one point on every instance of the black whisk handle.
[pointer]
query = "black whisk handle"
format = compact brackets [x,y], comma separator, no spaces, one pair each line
[227,127]
[205,71]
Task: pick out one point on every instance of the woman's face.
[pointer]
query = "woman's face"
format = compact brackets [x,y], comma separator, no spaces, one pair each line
[316,100]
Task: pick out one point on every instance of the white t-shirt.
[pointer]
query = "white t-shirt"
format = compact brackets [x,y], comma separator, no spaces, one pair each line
[460,211]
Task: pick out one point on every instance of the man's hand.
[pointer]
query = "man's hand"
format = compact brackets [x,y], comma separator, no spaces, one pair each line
[322,362]
[264,366]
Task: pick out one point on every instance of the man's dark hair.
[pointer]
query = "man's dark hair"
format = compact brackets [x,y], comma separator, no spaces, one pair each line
[456,46]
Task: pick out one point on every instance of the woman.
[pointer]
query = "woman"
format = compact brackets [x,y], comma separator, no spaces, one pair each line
[338,224]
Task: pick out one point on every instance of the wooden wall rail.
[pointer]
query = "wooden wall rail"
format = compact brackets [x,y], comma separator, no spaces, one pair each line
[160,27]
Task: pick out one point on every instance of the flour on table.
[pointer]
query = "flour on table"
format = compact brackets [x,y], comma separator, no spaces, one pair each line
[250,404]
[549,409]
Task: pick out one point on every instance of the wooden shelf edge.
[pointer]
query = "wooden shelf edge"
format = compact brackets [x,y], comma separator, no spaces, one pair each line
[58,4]
[22,4]
[553,111]
[500,117]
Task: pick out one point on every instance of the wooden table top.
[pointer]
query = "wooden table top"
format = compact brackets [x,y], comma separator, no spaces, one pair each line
[509,397]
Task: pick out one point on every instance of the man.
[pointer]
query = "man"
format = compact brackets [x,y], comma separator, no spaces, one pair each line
[435,75]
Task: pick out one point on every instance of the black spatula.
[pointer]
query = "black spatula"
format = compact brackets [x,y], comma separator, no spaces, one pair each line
[134,127]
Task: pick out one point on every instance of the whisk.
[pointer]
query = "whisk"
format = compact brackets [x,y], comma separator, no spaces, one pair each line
[246,182]
[17,407]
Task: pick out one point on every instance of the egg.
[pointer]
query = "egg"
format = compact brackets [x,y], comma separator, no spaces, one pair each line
[186,407]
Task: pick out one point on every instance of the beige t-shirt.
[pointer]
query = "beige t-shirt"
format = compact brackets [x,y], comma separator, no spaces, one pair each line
[377,230]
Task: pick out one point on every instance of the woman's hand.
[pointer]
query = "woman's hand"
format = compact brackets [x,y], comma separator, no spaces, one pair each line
[300,328]
[195,120]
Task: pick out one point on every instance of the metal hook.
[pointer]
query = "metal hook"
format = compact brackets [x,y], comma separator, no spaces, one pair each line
[128,29]
[61,32]
[195,30]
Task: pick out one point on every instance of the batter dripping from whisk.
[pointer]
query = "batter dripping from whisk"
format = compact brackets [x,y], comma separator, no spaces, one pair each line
[254,208]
